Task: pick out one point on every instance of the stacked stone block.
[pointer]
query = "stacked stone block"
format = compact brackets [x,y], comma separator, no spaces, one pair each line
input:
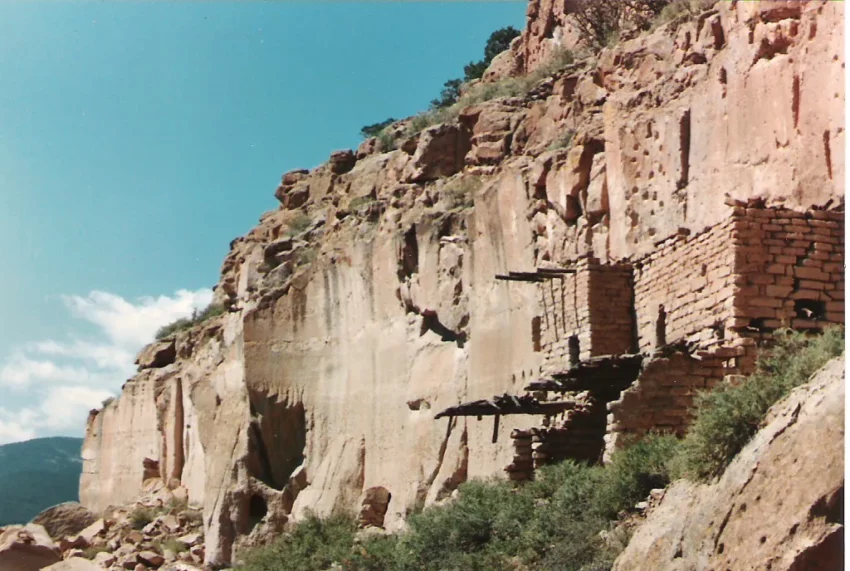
[593,305]
[789,270]
[684,289]
[662,398]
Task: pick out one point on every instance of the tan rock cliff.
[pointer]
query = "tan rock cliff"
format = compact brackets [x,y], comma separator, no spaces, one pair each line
[367,302]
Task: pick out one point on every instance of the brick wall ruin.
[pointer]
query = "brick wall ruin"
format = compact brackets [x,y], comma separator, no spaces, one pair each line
[586,313]
[696,308]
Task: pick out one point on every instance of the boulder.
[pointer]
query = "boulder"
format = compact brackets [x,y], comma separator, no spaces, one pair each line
[294,189]
[440,152]
[157,355]
[342,161]
[65,519]
[27,548]
[74,564]
[778,506]
[150,558]
[104,558]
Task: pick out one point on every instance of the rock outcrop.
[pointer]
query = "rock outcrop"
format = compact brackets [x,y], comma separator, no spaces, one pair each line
[778,506]
[26,548]
[368,301]
[64,519]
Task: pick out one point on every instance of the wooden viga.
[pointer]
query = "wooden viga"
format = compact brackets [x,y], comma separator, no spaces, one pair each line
[504,405]
[604,375]
[539,275]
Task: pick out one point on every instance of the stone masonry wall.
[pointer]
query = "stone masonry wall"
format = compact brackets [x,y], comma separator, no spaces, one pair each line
[663,396]
[685,287]
[790,269]
[566,313]
[611,300]
[594,304]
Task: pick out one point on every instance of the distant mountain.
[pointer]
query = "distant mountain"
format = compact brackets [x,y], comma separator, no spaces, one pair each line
[37,474]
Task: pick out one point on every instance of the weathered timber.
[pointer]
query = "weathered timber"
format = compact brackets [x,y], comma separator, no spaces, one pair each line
[518,278]
[537,276]
[597,373]
[507,404]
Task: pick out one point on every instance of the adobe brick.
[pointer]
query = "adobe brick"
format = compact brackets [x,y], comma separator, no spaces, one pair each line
[778,291]
[804,324]
[806,294]
[810,284]
[777,269]
[835,317]
[810,274]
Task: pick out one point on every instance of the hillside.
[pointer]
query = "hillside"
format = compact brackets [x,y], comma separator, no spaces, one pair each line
[37,474]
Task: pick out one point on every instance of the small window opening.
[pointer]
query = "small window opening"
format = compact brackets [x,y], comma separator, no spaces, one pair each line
[574,349]
[810,309]
[536,334]
[661,327]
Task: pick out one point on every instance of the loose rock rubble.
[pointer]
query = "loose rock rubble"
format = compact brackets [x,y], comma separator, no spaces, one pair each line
[147,535]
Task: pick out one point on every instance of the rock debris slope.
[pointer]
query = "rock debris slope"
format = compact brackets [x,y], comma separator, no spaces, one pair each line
[367,302]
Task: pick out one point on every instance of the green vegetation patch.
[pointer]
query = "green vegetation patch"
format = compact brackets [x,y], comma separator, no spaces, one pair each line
[184,323]
[730,415]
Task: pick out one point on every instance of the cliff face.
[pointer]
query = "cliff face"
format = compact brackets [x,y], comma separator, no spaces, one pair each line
[367,302]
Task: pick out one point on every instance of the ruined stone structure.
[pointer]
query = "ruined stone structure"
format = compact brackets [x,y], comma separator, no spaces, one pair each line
[696,307]
[697,207]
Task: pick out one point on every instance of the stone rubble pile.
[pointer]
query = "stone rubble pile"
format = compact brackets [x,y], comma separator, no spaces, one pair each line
[136,538]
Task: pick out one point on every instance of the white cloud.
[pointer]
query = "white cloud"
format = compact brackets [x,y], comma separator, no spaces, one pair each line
[133,325]
[14,431]
[66,408]
[71,376]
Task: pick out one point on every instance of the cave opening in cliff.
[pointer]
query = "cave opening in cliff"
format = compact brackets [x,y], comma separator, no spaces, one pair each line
[277,438]
[257,510]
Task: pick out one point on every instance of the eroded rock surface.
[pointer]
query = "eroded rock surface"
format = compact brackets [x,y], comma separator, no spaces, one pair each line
[778,506]
[68,518]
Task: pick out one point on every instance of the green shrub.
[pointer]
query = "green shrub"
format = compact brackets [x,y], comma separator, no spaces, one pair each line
[184,323]
[728,417]
[563,141]
[140,517]
[171,544]
[460,192]
[679,11]
[375,129]
[639,467]
[361,201]
[505,87]
[386,140]
[554,522]
[298,223]
[499,41]
[449,95]
[107,401]
[312,545]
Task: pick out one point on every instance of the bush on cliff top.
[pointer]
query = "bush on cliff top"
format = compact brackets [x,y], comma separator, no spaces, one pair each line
[212,310]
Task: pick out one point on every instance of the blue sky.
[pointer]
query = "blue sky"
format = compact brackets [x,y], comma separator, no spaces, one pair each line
[138,138]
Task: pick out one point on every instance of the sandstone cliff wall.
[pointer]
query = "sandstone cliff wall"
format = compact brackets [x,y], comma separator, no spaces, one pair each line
[367,302]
